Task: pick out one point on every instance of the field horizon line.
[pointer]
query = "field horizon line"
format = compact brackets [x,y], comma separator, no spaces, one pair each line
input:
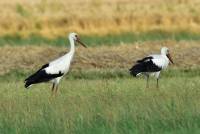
[99,40]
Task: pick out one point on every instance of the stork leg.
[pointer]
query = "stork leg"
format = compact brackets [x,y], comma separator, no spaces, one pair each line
[56,89]
[157,85]
[52,89]
[147,83]
[53,86]
[157,79]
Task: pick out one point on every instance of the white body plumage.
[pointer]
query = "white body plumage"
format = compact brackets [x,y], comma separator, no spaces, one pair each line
[161,61]
[152,64]
[61,64]
[56,69]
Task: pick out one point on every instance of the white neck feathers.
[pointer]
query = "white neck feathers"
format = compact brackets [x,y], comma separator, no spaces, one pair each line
[72,45]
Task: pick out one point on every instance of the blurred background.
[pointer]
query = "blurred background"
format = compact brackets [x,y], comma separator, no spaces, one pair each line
[117,32]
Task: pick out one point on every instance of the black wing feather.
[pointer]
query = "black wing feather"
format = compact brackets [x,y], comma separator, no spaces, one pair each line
[43,67]
[144,65]
[41,76]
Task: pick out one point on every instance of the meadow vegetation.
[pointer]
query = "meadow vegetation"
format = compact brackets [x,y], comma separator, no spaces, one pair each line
[98,96]
[116,105]
[100,40]
[120,56]
[50,18]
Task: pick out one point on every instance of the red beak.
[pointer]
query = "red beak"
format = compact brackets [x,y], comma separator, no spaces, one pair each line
[79,41]
[170,58]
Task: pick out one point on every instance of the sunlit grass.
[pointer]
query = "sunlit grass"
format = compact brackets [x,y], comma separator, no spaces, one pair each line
[96,40]
[28,57]
[120,105]
[56,18]
[96,74]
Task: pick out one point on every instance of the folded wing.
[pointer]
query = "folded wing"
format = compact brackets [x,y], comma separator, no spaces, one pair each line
[42,76]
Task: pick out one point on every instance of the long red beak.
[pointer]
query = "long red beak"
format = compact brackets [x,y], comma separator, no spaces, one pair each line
[170,58]
[79,41]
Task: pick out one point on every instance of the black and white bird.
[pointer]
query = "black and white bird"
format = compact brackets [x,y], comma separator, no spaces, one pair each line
[152,65]
[56,69]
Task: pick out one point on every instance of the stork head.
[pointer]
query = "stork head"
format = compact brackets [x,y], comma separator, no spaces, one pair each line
[76,38]
[165,51]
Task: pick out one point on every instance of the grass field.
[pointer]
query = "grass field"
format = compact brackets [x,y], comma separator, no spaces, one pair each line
[103,103]
[117,56]
[52,18]
[97,40]
[98,96]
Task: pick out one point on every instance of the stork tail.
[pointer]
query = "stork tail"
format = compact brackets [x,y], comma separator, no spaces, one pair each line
[136,69]
[27,84]
[41,76]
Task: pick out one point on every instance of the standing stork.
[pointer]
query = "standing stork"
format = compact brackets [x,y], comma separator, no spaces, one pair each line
[152,65]
[56,69]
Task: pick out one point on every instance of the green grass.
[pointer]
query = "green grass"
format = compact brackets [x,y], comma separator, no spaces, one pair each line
[95,40]
[96,74]
[108,103]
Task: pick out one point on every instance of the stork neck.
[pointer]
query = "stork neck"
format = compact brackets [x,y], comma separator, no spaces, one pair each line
[72,45]
[163,54]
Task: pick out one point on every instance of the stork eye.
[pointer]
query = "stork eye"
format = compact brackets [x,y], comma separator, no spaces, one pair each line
[167,51]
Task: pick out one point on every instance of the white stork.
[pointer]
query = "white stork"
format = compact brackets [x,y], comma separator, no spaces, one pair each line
[56,69]
[152,65]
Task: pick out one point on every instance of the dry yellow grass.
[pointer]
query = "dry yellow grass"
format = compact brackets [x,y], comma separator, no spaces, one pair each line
[52,18]
[185,55]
